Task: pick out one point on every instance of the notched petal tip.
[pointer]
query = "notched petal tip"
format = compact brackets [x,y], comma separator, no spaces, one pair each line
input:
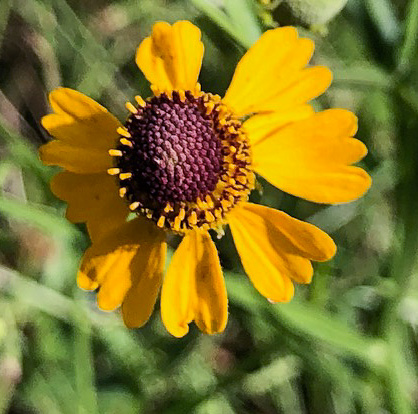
[194,288]
[86,283]
[47,121]
[328,248]
[172,56]
[275,248]
[179,331]
[127,266]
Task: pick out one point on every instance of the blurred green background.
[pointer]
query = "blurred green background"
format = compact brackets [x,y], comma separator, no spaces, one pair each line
[346,344]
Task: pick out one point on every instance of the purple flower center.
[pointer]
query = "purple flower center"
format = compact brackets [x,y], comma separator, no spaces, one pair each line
[176,155]
[183,161]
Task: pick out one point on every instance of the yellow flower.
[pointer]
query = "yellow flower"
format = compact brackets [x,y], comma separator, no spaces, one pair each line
[184,162]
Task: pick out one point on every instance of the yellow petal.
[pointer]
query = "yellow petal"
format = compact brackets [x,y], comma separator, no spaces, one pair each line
[78,159]
[177,293]
[84,282]
[172,56]
[311,158]
[267,81]
[84,130]
[91,198]
[118,261]
[141,297]
[211,306]
[80,121]
[275,248]
[194,288]
[261,125]
[300,88]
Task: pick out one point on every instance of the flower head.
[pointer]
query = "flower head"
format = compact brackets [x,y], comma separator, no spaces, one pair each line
[185,162]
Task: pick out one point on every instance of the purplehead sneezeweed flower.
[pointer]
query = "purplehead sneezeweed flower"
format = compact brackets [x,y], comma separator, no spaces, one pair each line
[185,162]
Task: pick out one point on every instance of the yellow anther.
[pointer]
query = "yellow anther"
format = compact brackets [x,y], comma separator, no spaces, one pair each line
[197,88]
[209,107]
[130,108]
[113,171]
[192,219]
[209,200]
[200,203]
[228,159]
[182,214]
[209,217]
[182,95]
[234,192]
[123,131]
[125,176]
[140,101]
[177,222]
[231,181]
[161,221]
[242,179]
[225,204]
[218,213]
[232,149]
[122,191]
[126,142]
[133,206]
[225,177]
[115,153]
[168,208]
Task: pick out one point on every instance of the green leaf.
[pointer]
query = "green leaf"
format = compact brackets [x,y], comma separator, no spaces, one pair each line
[231,24]
[21,152]
[383,14]
[409,47]
[5,8]
[323,327]
[315,12]
[243,18]
[363,75]
[49,301]
[40,216]
[307,320]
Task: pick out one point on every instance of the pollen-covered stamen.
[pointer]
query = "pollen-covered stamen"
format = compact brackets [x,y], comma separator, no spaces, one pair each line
[183,160]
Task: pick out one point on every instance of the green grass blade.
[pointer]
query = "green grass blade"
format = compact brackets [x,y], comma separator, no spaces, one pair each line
[409,46]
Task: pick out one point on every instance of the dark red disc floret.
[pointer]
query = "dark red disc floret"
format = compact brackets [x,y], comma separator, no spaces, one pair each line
[176,156]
